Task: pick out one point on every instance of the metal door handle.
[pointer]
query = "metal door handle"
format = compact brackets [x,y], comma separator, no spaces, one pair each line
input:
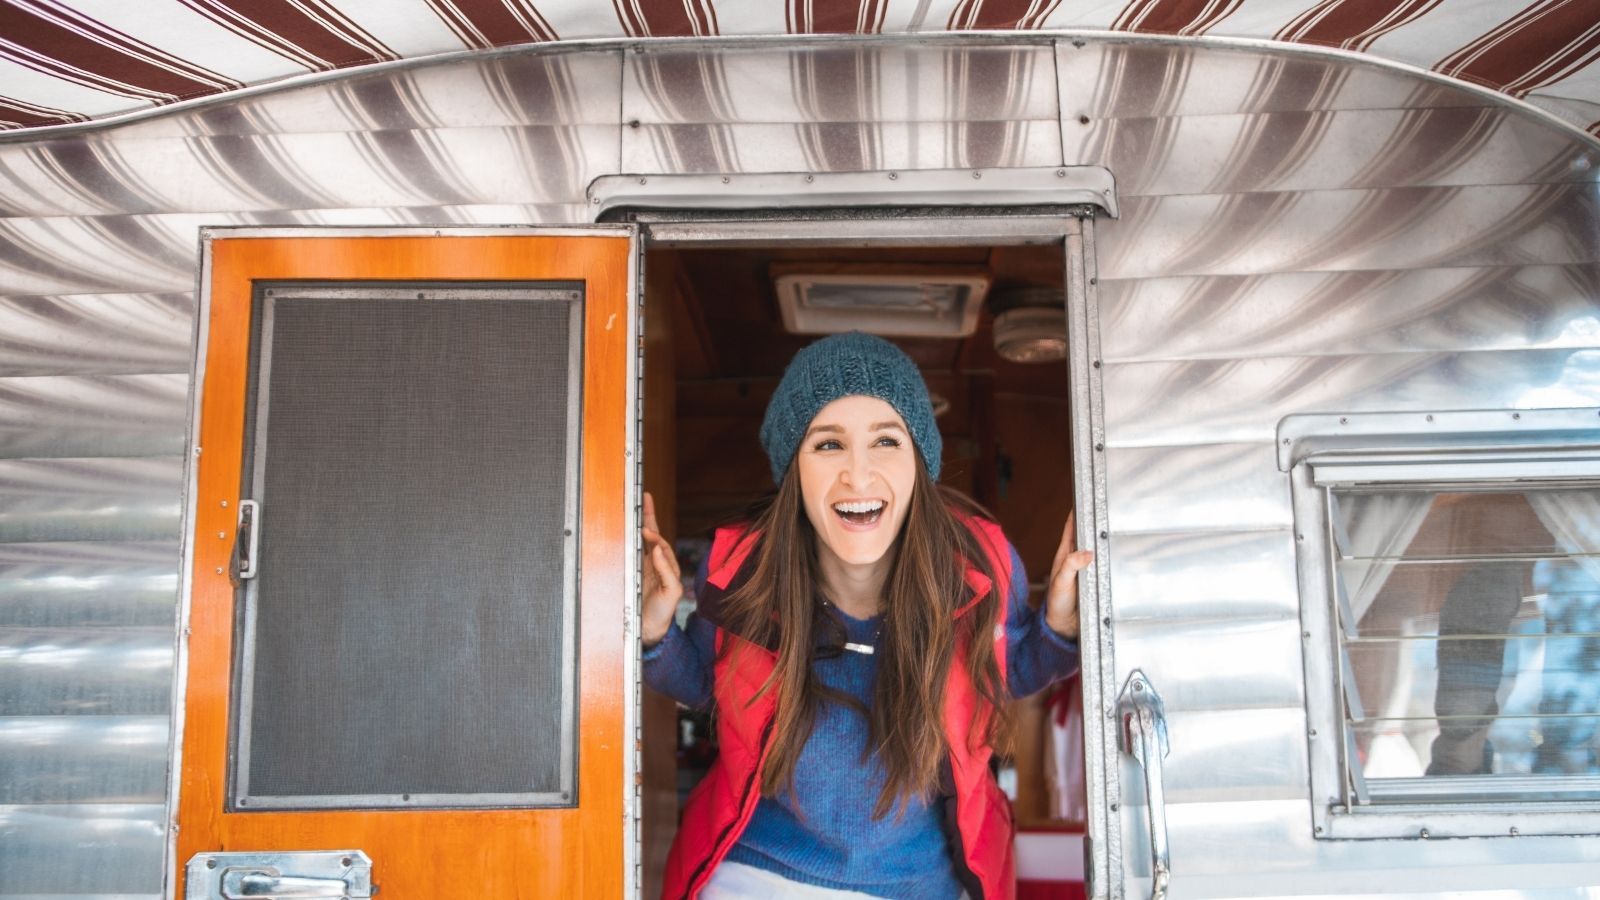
[250,534]
[1144,734]
[239,884]
[286,874]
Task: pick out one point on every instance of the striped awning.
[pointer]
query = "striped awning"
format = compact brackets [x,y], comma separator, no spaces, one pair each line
[67,61]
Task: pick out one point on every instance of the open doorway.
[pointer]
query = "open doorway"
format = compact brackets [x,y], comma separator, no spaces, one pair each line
[716,344]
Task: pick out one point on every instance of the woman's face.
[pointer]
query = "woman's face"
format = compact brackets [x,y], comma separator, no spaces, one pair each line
[857,468]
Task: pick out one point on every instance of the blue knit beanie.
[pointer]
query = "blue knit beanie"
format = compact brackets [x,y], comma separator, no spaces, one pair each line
[846,365]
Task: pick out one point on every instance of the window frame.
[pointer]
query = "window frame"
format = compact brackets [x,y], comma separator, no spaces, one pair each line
[1474,448]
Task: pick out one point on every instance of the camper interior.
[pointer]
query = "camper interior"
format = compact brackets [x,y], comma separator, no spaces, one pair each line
[719,330]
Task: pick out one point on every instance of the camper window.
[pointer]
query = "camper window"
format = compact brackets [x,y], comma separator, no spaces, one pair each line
[1457,667]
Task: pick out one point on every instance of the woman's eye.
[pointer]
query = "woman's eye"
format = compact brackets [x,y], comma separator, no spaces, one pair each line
[829,444]
[888,442]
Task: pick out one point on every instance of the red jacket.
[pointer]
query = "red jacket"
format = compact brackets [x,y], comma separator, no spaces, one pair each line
[721,806]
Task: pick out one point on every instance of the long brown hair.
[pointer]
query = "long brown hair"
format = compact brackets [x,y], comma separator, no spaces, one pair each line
[779,606]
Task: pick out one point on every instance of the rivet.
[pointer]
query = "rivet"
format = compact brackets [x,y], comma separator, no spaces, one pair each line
[1286,442]
[243,802]
[977,175]
[1514,831]
[1319,829]
[345,861]
[567,532]
[1424,835]
[1079,43]
[197,451]
[726,179]
[224,504]
[1306,635]
[894,176]
[643,180]
[1113,807]
[594,200]
[1100,447]
[1094,281]
[211,864]
[633,123]
[1312,732]
[1104,535]
[1061,173]
[405,796]
[219,570]
[810,178]
[1299,537]
[1138,687]
[1344,420]
[1516,415]
[1106,621]
[1430,417]
[1083,120]
[222,534]
[1096,364]
[421,296]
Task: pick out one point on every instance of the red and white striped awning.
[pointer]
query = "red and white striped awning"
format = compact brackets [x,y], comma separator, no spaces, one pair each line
[65,61]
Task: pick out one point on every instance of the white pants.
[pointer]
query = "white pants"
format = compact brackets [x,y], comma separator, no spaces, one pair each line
[737,881]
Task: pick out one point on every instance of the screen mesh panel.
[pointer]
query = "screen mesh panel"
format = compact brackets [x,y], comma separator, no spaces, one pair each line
[408,634]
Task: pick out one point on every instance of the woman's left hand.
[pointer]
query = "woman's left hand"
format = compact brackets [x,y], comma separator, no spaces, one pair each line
[1061,602]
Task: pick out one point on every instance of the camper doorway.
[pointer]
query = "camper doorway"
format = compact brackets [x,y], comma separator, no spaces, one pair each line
[728,303]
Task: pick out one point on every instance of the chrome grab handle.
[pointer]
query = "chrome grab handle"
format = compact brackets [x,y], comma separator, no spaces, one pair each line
[279,875]
[250,532]
[1144,734]
[240,884]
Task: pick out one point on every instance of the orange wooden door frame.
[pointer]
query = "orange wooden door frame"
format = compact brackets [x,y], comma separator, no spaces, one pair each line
[424,854]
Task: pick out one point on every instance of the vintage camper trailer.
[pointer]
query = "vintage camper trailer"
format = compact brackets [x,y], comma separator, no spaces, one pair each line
[339,341]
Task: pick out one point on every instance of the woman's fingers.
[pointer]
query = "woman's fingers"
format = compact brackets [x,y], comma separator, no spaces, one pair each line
[1069,541]
[1061,603]
[655,541]
[650,513]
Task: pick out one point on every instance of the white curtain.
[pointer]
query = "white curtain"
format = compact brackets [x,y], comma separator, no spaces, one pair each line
[1573,518]
[1381,526]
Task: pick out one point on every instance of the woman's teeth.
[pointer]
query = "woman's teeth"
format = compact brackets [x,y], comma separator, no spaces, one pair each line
[860,512]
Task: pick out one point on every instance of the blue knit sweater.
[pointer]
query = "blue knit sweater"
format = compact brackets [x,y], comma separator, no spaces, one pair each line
[824,833]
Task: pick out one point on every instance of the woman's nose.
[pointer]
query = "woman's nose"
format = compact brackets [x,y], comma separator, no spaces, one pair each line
[858,469]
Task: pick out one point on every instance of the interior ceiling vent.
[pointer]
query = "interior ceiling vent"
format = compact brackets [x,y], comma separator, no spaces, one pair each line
[1030,325]
[893,300]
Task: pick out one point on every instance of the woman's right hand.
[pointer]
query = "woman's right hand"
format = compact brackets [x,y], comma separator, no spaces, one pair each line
[663,583]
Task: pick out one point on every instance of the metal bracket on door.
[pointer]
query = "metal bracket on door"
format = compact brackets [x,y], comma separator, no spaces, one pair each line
[330,874]
[1143,733]
[249,537]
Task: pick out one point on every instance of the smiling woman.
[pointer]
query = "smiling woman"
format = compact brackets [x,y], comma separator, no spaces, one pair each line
[857,639]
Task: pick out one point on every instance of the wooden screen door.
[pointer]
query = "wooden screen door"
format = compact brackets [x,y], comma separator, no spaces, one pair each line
[410,567]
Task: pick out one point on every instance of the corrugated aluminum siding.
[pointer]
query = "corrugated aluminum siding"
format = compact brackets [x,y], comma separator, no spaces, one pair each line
[1298,234]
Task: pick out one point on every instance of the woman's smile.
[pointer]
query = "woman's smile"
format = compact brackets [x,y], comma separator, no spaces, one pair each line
[860,515]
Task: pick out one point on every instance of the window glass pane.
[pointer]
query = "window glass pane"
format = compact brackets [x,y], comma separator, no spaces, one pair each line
[1470,636]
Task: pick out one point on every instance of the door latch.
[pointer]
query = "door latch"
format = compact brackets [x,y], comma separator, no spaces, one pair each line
[1144,735]
[292,875]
